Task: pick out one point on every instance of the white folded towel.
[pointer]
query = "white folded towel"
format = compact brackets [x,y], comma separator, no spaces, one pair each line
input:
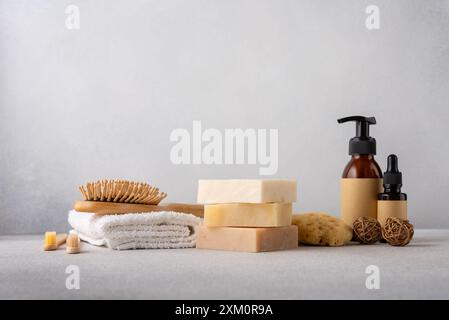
[155,230]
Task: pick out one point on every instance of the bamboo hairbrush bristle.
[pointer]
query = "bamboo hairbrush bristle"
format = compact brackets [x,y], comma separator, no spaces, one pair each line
[52,240]
[122,191]
[73,244]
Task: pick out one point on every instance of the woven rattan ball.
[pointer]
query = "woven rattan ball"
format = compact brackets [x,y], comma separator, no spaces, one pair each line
[397,232]
[367,230]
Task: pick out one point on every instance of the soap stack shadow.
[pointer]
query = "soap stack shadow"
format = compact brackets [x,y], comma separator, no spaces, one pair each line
[247,215]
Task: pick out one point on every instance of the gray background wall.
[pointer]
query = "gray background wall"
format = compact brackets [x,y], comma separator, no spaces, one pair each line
[99,102]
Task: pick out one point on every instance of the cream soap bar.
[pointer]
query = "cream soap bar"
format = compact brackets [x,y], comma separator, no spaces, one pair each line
[248,215]
[246,191]
[247,239]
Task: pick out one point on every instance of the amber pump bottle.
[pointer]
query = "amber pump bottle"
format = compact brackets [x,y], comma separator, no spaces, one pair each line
[362,177]
[392,202]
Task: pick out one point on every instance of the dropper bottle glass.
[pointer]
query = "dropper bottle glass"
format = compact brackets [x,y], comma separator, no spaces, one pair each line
[392,202]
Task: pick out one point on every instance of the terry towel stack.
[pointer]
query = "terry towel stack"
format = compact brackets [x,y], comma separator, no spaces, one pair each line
[247,215]
[155,230]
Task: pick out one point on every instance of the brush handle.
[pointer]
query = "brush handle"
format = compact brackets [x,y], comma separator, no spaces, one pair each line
[103,208]
[61,239]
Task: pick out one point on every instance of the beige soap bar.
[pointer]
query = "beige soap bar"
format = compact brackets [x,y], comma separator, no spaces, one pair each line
[246,191]
[247,239]
[248,215]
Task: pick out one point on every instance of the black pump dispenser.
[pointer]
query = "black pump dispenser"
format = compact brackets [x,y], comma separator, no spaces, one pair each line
[362,143]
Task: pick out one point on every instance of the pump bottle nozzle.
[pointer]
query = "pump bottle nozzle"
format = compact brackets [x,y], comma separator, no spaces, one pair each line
[362,143]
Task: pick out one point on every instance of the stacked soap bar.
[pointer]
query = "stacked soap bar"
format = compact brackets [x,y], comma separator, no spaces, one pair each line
[247,215]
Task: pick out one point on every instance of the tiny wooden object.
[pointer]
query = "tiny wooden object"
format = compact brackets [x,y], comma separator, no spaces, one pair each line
[367,230]
[122,191]
[103,208]
[397,231]
[53,241]
[73,244]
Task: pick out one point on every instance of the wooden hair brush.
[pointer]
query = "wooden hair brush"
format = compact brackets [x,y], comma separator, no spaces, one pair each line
[121,196]
[122,191]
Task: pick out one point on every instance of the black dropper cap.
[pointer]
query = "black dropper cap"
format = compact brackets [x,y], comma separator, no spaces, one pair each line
[362,143]
[392,181]
[392,177]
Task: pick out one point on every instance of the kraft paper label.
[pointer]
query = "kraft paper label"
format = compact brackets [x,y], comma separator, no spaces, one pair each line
[359,198]
[391,208]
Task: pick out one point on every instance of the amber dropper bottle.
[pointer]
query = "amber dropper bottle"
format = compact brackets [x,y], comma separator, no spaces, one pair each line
[362,177]
[392,202]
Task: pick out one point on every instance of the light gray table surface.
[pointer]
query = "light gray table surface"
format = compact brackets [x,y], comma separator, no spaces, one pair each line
[418,271]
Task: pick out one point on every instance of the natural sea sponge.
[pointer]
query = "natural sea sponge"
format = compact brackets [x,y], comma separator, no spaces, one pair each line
[322,229]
